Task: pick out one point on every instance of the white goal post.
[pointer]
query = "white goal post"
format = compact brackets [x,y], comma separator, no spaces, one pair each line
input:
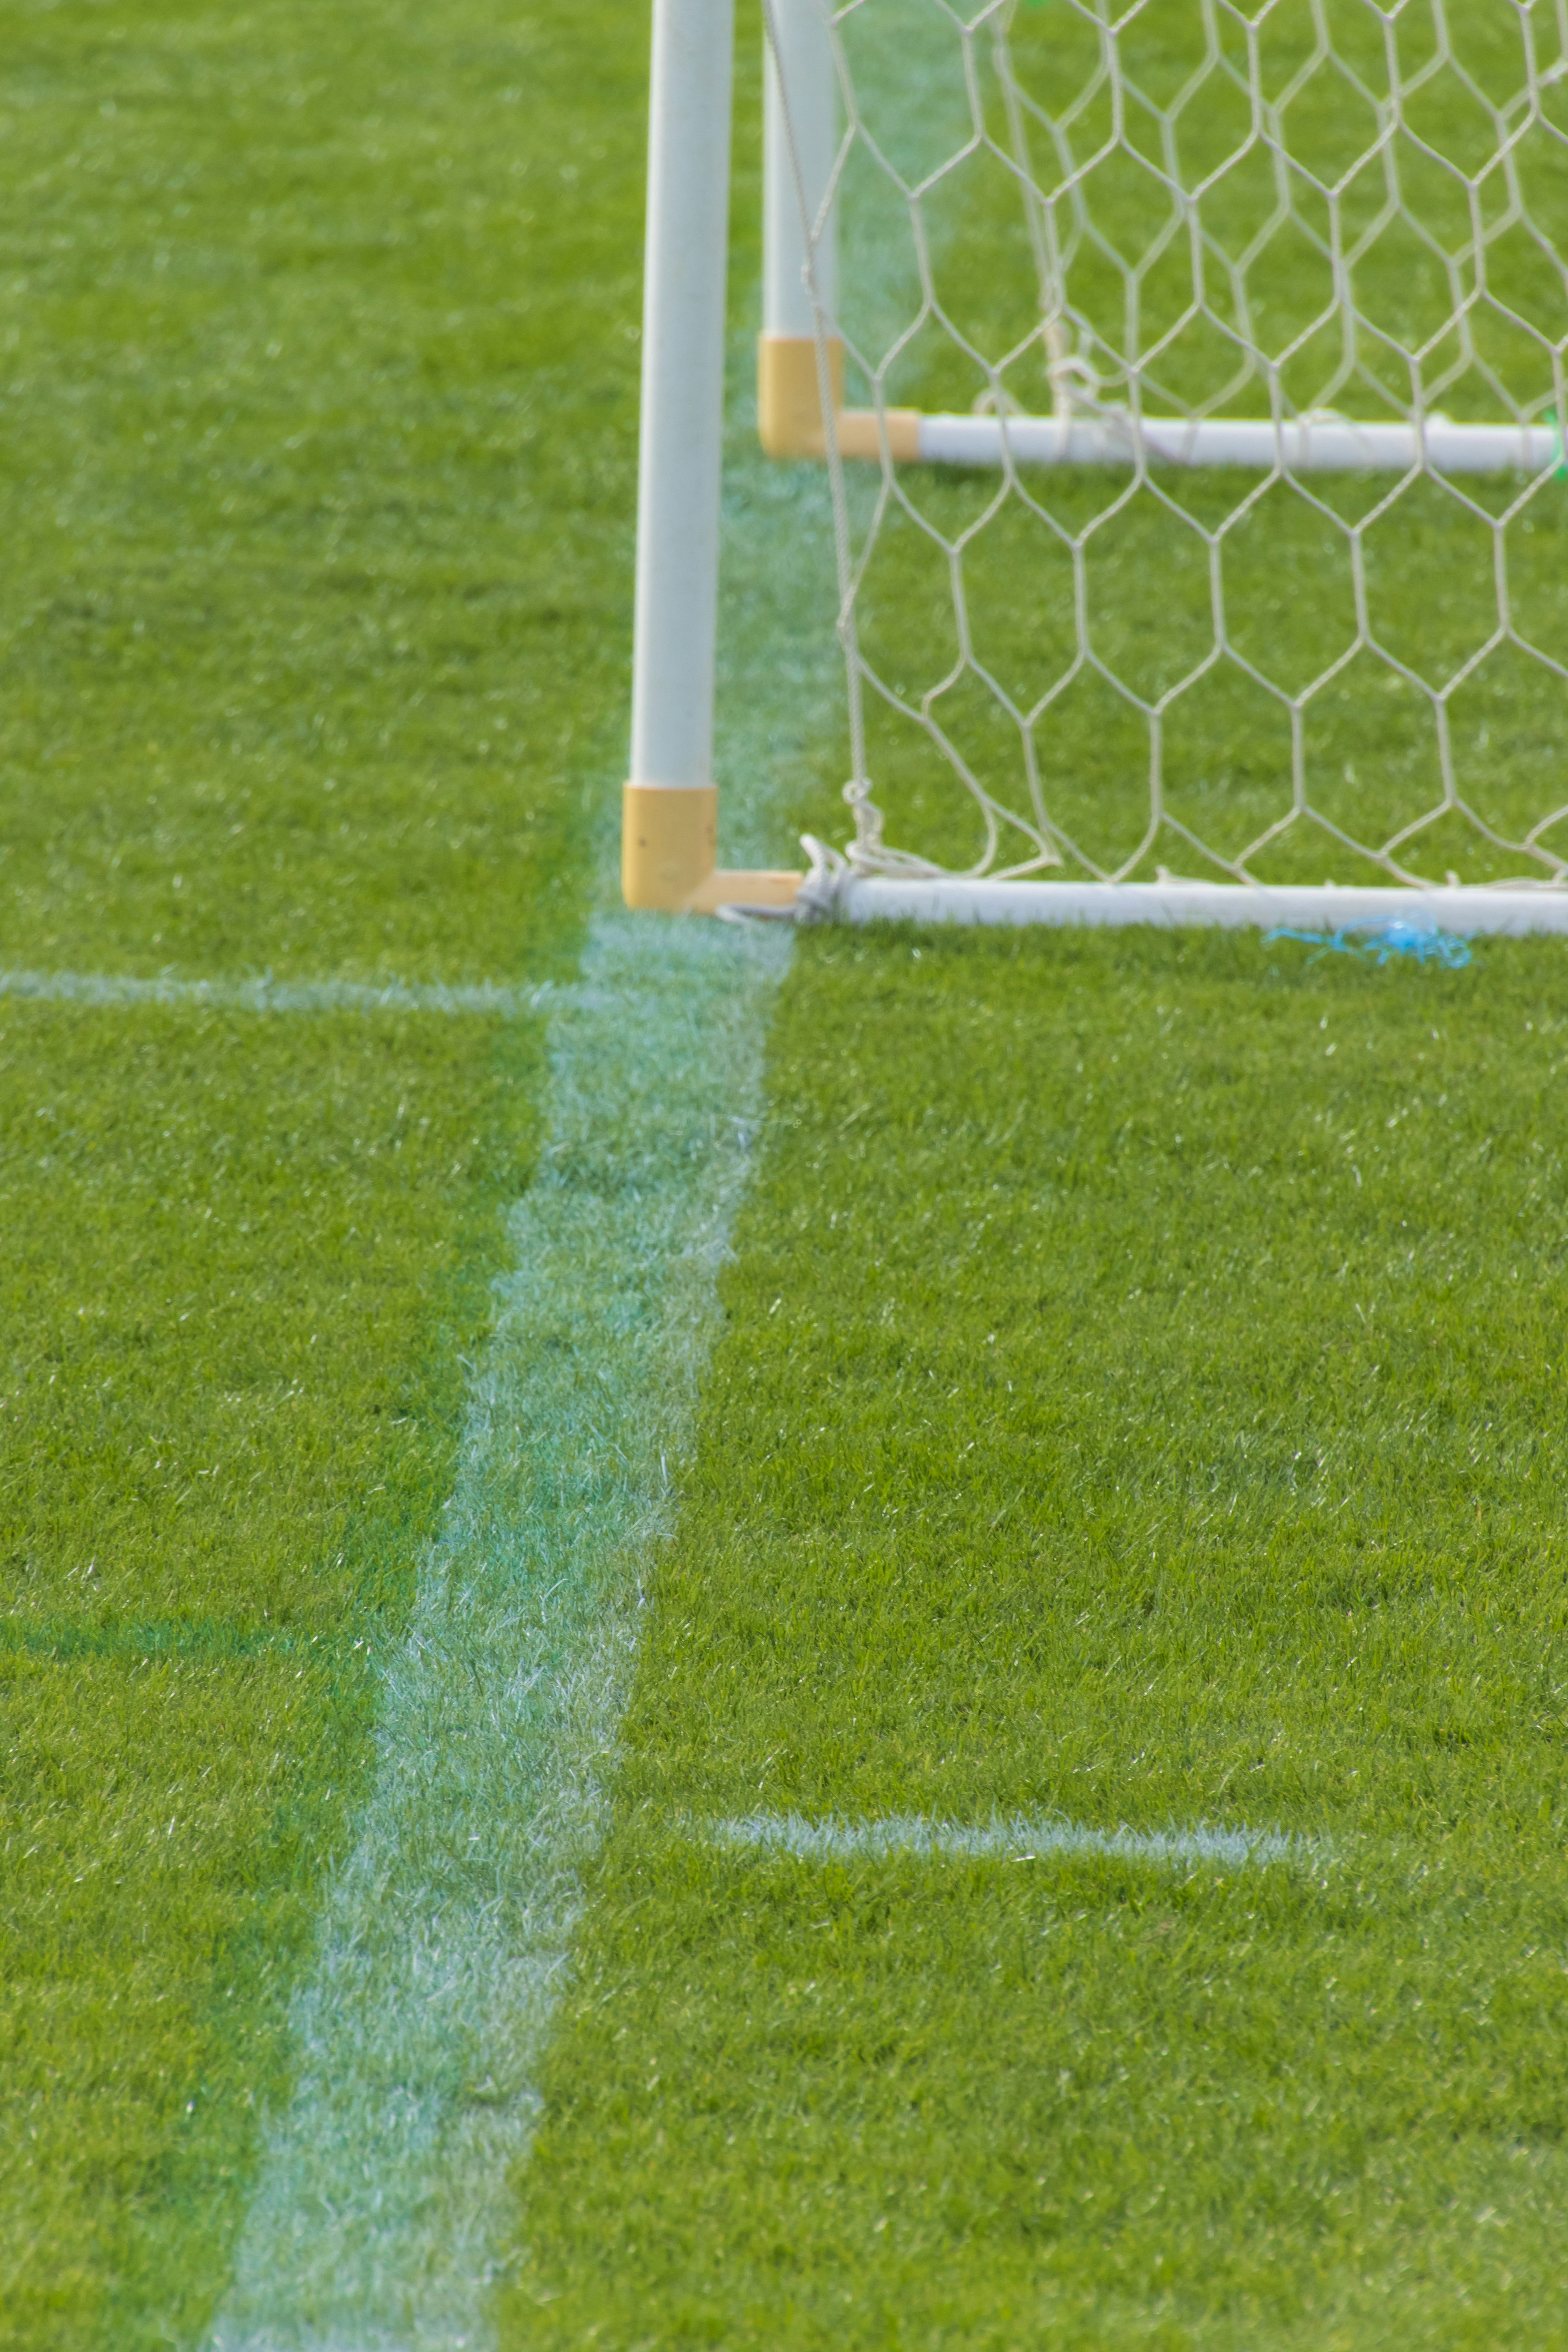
[1304,258]
[669,811]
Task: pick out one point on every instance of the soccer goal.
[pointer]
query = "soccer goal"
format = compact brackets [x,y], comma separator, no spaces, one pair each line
[1191,380]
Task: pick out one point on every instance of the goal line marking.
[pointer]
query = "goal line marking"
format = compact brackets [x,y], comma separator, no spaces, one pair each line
[264,994]
[1012,1838]
[387,2203]
[386,2206]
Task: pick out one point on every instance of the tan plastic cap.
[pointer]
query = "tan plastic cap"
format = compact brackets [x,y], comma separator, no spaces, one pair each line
[669,838]
[789,406]
[668,835]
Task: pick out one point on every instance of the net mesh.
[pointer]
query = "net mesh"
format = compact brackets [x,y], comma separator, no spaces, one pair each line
[1185,210]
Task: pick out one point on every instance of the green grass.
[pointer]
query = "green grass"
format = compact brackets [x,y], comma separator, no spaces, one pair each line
[245,1262]
[318,403]
[1129,1406]
[1140,1400]
[317,385]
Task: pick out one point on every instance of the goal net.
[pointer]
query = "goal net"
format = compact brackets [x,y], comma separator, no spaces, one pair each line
[1195,387]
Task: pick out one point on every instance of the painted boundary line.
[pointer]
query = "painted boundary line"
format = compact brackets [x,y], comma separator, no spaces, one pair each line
[387,2200]
[385,2207]
[1016,1838]
[112,990]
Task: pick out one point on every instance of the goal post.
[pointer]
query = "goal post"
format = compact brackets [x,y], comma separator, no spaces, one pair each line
[800,356]
[669,811]
[1233,584]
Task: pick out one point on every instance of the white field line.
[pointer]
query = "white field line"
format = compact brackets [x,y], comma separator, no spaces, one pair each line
[1016,1838]
[384,2207]
[112,990]
[391,2194]
[388,2200]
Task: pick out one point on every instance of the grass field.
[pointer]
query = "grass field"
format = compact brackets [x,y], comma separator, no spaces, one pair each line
[1139,1407]
[312,629]
[1136,1406]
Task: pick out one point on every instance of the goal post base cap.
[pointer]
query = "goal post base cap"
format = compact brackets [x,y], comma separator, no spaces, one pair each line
[670,841]
[789,406]
[670,835]
[789,393]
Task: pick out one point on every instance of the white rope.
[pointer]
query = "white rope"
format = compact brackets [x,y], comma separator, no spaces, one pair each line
[1295,248]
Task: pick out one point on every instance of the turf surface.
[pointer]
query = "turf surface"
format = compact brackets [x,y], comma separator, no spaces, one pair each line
[318,385]
[319,400]
[318,392]
[1140,1405]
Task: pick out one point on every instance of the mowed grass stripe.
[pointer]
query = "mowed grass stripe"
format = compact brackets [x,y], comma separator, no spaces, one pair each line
[239,1282]
[1141,1404]
[320,435]
[312,628]
[147,1640]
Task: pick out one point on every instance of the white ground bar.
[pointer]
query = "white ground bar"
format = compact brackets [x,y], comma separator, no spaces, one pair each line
[1232,906]
[1318,445]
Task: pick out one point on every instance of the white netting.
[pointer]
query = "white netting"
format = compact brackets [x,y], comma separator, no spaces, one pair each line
[1195,212]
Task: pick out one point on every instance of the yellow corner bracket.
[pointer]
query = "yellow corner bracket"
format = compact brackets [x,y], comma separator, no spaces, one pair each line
[789,407]
[669,847]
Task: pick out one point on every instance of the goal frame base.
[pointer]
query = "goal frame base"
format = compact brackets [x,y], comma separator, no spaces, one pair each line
[1498,910]
[790,426]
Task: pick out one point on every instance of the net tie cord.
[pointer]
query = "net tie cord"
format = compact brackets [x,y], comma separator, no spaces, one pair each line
[1381,943]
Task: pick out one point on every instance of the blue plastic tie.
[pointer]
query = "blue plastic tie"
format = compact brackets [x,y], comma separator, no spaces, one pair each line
[1381,942]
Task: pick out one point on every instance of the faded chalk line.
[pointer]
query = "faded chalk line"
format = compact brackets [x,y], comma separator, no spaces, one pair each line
[387,2200]
[384,2209]
[111,990]
[1015,1837]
